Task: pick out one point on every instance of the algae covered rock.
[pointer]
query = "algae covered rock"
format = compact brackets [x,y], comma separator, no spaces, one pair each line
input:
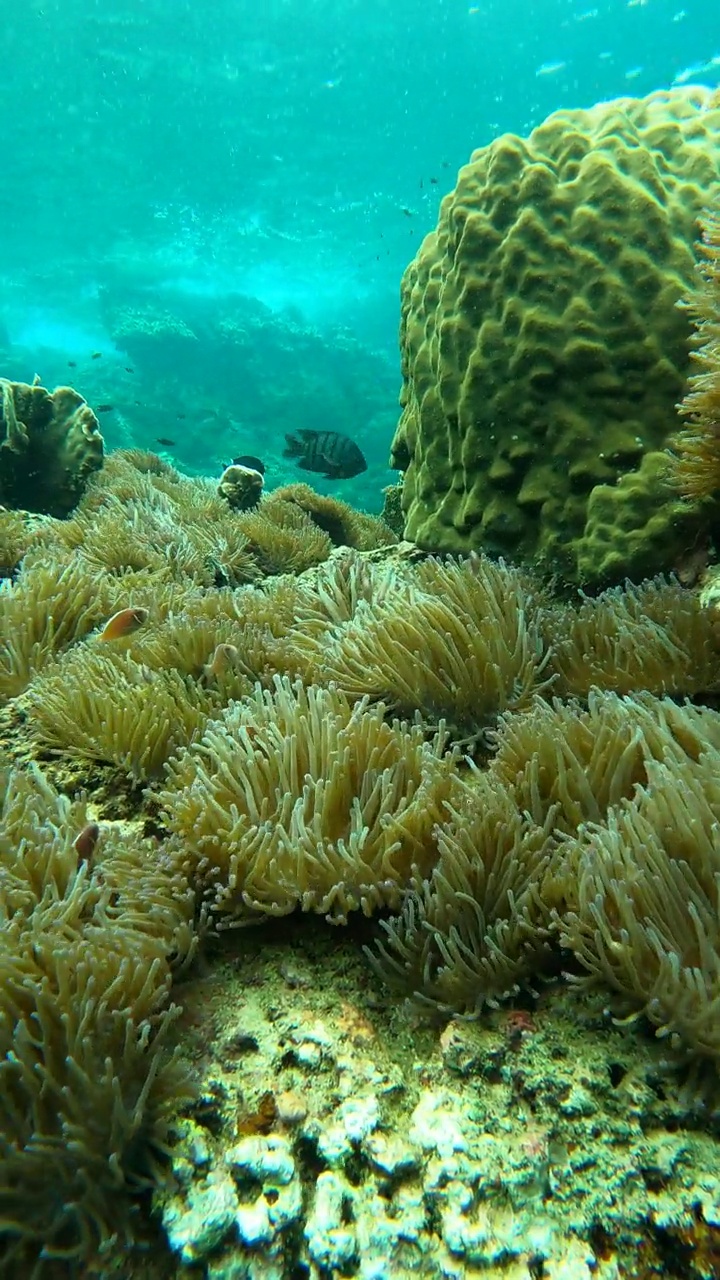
[543,350]
[51,444]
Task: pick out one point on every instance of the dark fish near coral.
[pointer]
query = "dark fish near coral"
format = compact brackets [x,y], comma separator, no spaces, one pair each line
[96,355]
[165,441]
[249,460]
[106,408]
[330,453]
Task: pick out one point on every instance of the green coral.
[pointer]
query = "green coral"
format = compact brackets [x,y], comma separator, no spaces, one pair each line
[543,352]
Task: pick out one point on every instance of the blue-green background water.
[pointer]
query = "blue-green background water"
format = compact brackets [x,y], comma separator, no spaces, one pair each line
[262,171]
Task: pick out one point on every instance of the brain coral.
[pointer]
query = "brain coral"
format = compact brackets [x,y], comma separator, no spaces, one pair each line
[543,351]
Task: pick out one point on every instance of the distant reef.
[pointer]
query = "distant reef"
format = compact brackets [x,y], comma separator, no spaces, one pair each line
[229,375]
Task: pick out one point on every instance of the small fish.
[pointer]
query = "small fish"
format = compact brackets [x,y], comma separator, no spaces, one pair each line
[72,364]
[550,68]
[433,182]
[84,843]
[165,441]
[180,415]
[330,453]
[124,622]
[106,408]
[407,212]
[96,355]
[224,657]
[249,460]
[689,73]
[128,369]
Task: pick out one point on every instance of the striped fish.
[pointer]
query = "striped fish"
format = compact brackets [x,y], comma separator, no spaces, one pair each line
[330,453]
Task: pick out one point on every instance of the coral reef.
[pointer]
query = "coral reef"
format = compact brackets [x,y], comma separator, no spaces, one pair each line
[597,824]
[657,637]
[696,446]
[52,603]
[456,643]
[300,797]
[543,352]
[52,445]
[88,1081]
[344,526]
[638,525]
[238,721]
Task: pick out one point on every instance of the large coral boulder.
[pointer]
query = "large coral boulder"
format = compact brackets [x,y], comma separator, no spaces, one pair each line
[543,349]
[50,444]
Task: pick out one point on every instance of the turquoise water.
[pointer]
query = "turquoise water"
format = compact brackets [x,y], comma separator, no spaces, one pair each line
[291,152]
